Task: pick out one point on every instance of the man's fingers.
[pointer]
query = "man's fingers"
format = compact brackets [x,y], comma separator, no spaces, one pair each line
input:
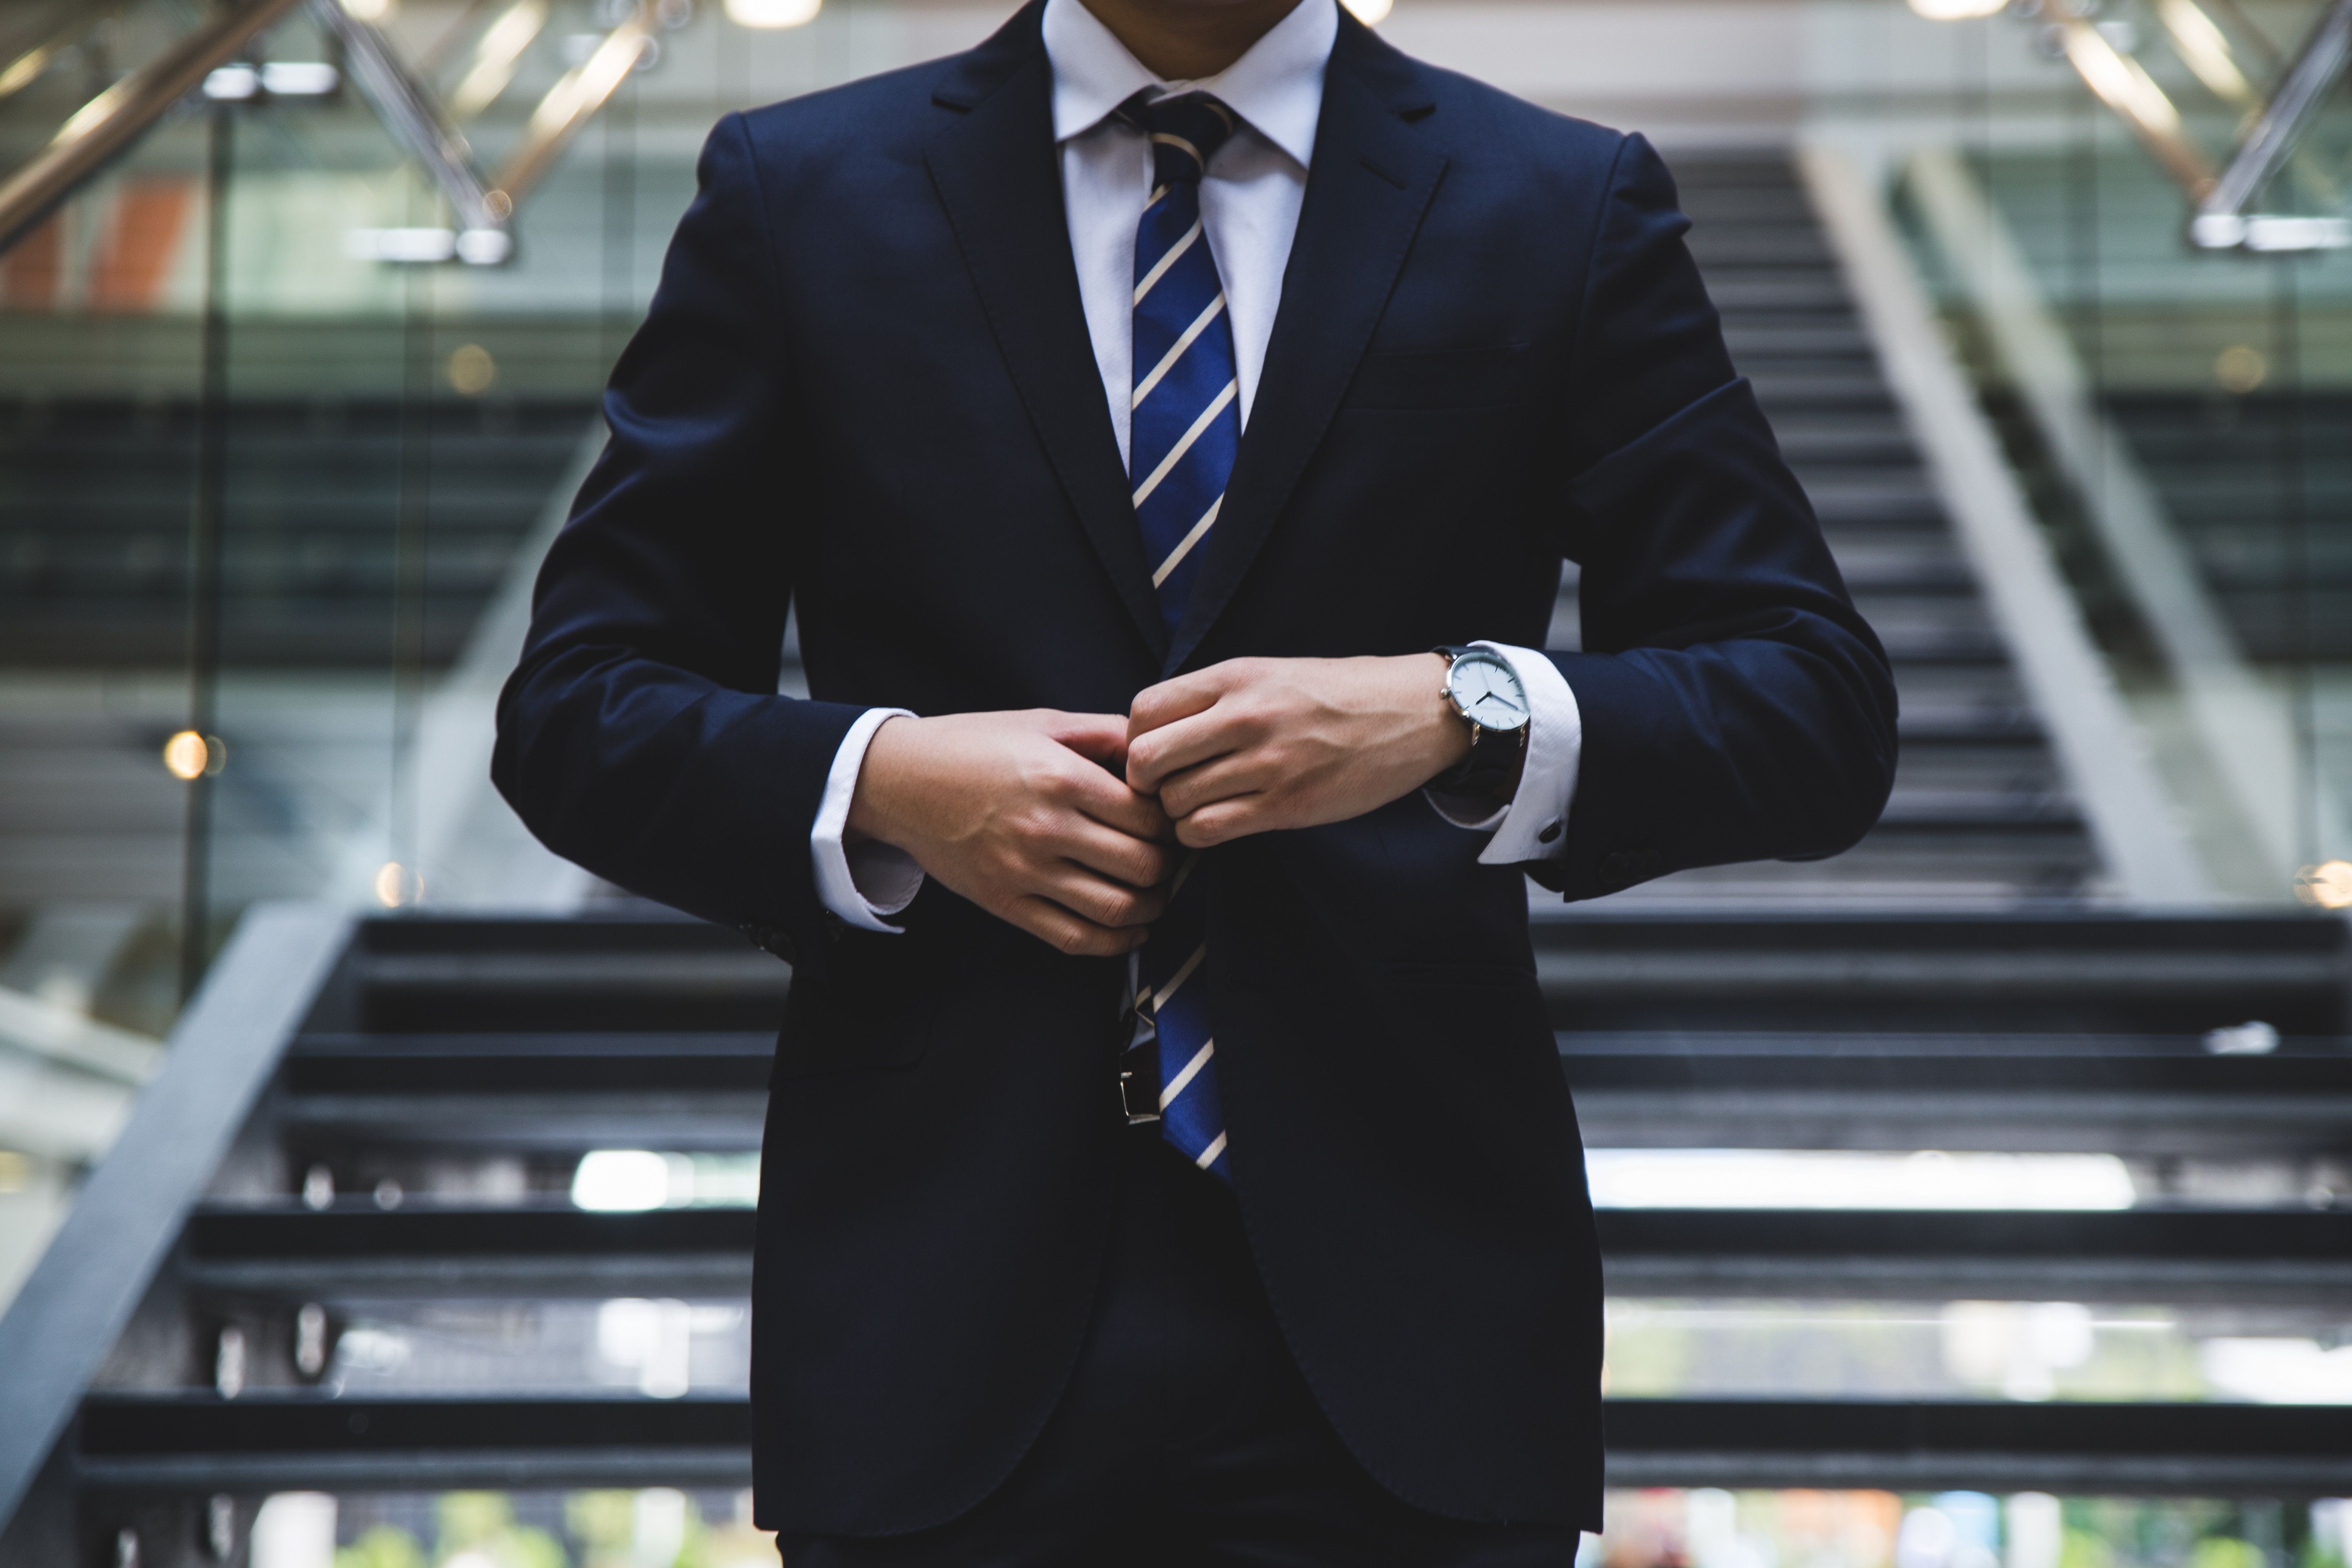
[1100,901]
[1182,794]
[1103,797]
[1122,857]
[1100,738]
[1058,928]
[1228,820]
[1157,707]
[1187,742]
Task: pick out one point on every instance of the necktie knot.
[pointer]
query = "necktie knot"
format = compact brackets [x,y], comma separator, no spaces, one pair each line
[1185,132]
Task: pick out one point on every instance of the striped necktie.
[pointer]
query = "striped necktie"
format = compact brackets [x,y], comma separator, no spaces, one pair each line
[1186,426]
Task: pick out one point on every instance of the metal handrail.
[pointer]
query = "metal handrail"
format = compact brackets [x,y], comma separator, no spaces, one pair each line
[55,1335]
[37,48]
[2221,218]
[108,123]
[572,101]
[413,115]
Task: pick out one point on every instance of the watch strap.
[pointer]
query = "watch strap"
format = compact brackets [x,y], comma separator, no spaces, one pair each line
[1494,754]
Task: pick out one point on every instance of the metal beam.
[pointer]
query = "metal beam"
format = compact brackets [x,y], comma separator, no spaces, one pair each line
[64,1321]
[414,117]
[2201,1255]
[107,124]
[2221,220]
[198,1443]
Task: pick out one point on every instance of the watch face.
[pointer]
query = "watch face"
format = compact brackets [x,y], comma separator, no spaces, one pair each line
[1488,691]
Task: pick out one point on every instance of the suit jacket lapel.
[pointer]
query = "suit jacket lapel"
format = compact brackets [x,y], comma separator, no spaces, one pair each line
[1373,180]
[998,174]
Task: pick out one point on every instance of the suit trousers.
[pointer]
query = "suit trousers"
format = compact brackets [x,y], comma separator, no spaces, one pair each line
[1186,1434]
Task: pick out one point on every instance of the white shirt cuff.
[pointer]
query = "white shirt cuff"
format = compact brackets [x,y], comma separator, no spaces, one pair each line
[1534,825]
[863,882]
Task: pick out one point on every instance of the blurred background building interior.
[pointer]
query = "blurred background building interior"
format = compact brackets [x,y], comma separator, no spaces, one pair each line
[375,1189]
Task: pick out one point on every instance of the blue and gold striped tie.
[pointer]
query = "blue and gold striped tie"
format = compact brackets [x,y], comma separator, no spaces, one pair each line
[1186,426]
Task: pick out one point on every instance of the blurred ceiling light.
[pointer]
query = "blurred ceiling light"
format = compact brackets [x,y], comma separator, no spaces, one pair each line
[2241,368]
[1370,12]
[586,88]
[2121,82]
[2287,232]
[494,57]
[26,68]
[1956,10]
[2202,47]
[429,247]
[300,79]
[472,371]
[232,84]
[189,756]
[771,12]
[368,10]
[2329,886]
[408,244]
[396,885]
[621,1180]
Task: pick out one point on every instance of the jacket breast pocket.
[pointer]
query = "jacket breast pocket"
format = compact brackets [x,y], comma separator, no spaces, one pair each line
[875,1006]
[1440,378]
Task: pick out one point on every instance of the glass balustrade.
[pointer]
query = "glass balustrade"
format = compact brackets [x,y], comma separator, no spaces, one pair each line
[2132,218]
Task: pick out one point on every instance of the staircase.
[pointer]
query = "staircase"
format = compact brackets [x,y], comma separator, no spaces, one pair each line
[472,1207]
[427,1206]
[1981,815]
[324,496]
[95,500]
[2276,557]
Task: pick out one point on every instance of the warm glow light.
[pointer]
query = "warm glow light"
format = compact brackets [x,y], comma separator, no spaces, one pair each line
[369,10]
[2201,44]
[771,12]
[396,885]
[2329,886]
[2120,82]
[26,68]
[501,46]
[1368,12]
[187,755]
[472,370]
[591,84]
[1956,10]
[2241,368]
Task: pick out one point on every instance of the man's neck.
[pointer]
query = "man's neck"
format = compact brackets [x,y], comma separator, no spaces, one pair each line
[1186,40]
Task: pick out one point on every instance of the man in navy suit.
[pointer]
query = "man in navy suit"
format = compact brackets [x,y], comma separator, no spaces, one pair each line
[1168,420]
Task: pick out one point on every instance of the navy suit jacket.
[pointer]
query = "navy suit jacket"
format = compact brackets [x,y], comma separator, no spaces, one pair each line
[864,388]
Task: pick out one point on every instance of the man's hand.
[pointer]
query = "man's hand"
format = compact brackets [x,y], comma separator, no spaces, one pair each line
[1018,813]
[1259,743]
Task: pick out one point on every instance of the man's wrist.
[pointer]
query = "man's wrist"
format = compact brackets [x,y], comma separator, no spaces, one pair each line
[869,817]
[1449,733]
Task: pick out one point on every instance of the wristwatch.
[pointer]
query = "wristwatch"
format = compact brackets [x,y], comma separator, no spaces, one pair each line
[1486,691]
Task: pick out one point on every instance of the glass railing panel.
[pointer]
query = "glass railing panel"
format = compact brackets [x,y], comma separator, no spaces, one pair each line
[1722,1347]
[2165,398]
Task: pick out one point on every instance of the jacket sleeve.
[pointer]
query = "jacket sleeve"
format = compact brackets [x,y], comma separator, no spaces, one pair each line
[642,735]
[1736,706]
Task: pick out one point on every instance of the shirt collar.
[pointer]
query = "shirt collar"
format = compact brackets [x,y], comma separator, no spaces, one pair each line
[1276,87]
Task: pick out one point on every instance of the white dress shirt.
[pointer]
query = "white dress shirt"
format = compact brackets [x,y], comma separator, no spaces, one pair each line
[1250,199]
